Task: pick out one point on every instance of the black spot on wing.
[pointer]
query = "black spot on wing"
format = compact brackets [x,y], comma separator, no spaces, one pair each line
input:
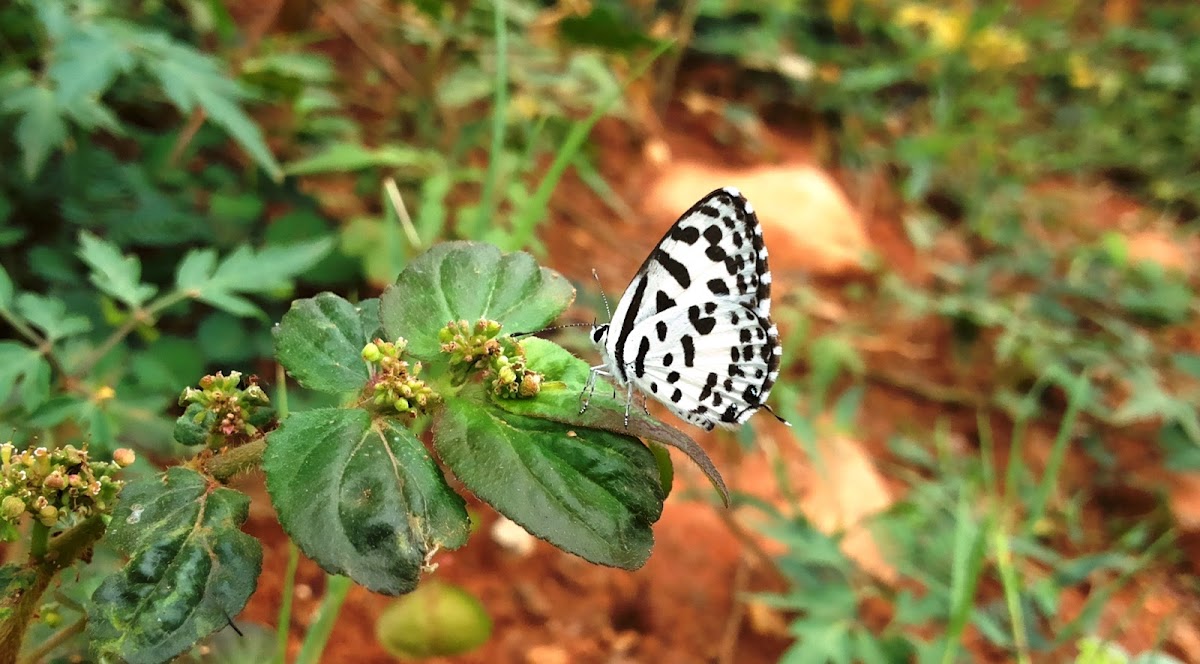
[730,414]
[677,270]
[703,324]
[639,364]
[661,328]
[684,234]
[689,350]
[662,302]
[718,287]
[713,234]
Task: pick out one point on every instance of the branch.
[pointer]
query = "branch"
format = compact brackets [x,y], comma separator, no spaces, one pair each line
[63,551]
[235,461]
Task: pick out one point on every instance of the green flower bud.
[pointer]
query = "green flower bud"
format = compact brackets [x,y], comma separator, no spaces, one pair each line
[401,405]
[255,396]
[507,375]
[12,507]
[48,515]
[73,456]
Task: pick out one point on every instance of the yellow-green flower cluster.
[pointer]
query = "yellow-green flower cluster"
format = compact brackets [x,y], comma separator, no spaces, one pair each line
[469,346]
[395,382]
[232,405]
[511,379]
[49,484]
[477,347]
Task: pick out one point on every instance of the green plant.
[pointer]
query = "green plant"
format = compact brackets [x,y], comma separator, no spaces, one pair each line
[353,484]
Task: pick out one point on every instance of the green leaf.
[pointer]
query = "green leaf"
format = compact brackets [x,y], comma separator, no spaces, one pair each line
[40,128]
[50,314]
[245,271]
[119,276]
[190,78]
[87,59]
[607,28]
[348,157]
[193,427]
[586,491]
[469,281]
[191,568]
[25,370]
[320,341]
[361,497]
[564,378]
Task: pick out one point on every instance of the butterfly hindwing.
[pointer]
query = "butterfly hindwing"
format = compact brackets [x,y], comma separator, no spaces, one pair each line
[711,363]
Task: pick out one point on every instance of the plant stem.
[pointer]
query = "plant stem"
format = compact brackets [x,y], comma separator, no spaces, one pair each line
[666,79]
[336,588]
[59,637]
[135,318]
[499,116]
[1012,593]
[39,541]
[285,604]
[43,345]
[237,460]
[19,608]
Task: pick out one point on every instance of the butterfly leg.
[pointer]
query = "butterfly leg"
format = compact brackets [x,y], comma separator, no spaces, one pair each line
[628,401]
[589,388]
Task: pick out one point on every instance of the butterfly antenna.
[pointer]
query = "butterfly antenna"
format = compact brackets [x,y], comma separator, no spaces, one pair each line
[517,335]
[604,297]
[776,415]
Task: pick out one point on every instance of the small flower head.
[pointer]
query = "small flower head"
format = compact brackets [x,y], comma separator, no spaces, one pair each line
[51,484]
[395,383]
[227,407]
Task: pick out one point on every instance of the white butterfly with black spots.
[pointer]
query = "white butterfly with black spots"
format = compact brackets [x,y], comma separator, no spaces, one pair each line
[693,329]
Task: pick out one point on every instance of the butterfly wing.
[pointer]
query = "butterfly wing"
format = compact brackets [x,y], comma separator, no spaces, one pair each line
[711,363]
[714,252]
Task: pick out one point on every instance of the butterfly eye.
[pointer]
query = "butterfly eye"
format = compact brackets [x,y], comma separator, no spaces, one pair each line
[598,333]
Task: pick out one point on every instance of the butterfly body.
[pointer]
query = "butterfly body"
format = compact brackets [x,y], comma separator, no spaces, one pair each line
[693,329]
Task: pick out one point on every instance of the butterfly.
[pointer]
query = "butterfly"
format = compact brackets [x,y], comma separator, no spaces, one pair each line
[693,330]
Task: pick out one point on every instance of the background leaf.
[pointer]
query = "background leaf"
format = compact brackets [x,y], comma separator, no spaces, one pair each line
[40,128]
[115,274]
[191,567]
[361,497]
[246,271]
[469,281]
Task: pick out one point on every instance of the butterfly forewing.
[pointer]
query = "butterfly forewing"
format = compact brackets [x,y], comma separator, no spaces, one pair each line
[704,291]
